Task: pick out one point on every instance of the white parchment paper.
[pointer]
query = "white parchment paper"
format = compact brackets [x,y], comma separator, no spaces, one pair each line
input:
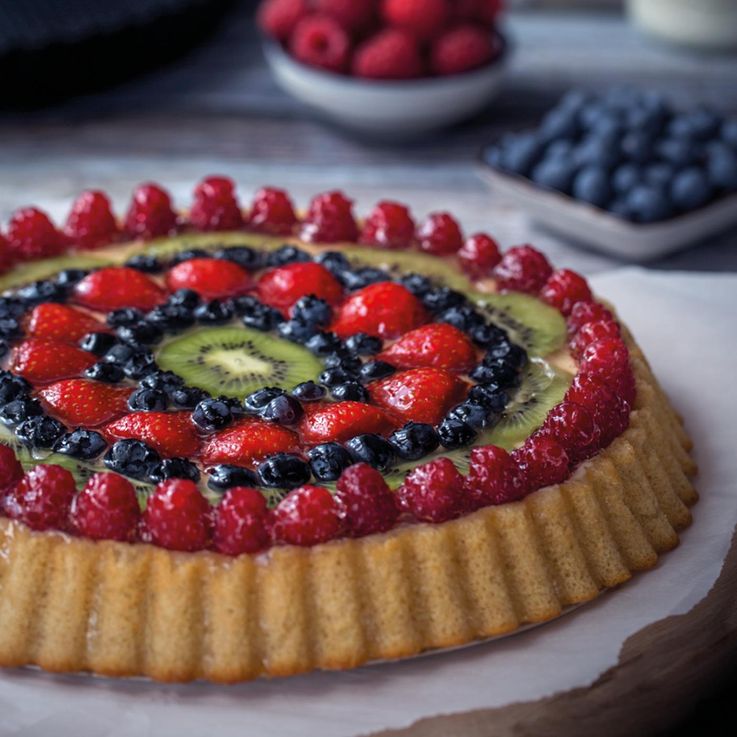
[686,325]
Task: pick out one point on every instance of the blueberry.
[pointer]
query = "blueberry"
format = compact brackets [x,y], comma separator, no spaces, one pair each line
[676,151]
[110,373]
[125,317]
[283,471]
[373,370]
[350,391]
[284,409]
[139,365]
[262,318]
[166,381]
[728,132]
[648,204]
[244,256]
[82,444]
[4,347]
[334,376]
[439,299]
[188,255]
[184,297]
[489,395]
[334,261]
[360,278]
[349,364]
[328,461]
[173,468]
[487,335]
[455,433]
[637,147]
[296,331]
[147,400]
[323,344]
[495,372]
[474,414]
[9,327]
[187,397]
[245,304]
[560,149]
[659,175]
[212,414]
[625,177]
[416,283]
[224,476]
[414,440]
[371,449]
[312,310]
[620,208]
[97,343]
[592,185]
[598,152]
[722,167]
[518,153]
[361,344]
[559,123]
[696,124]
[69,277]
[463,317]
[42,291]
[309,391]
[39,431]
[257,400]
[287,255]
[507,352]
[12,387]
[171,317]
[131,458]
[554,174]
[143,333]
[11,307]
[146,263]
[16,410]
[690,189]
[214,312]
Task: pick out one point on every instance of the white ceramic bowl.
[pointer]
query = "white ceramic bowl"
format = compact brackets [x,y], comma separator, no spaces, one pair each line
[387,108]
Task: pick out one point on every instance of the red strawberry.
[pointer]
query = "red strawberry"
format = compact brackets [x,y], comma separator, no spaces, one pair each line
[438,344]
[241,522]
[247,442]
[43,497]
[150,214]
[170,433]
[42,361]
[107,508]
[32,235]
[115,287]
[420,395]
[283,286]
[272,212]
[211,278]
[306,516]
[386,310]
[340,421]
[84,403]
[91,222]
[60,322]
[177,516]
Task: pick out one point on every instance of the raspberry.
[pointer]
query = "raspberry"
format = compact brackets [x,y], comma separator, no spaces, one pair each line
[365,501]
[493,477]
[91,222]
[440,234]
[43,497]
[589,392]
[272,212]
[583,312]
[330,219]
[32,235]
[563,289]
[278,18]
[433,492]
[389,225]
[542,461]
[319,41]
[353,15]
[6,255]
[177,516]
[522,269]
[11,472]
[608,361]
[150,214]
[390,54]
[615,418]
[488,10]
[610,410]
[461,50]
[425,19]
[306,516]
[591,332]
[573,426]
[215,206]
[479,255]
[106,508]
[241,522]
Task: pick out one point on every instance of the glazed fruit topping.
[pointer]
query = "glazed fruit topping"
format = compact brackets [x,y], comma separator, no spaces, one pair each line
[91,222]
[177,516]
[247,442]
[433,492]
[440,235]
[31,235]
[80,402]
[389,225]
[241,522]
[117,287]
[437,345]
[53,321]
[210,278]
[41,361]
[106,509]
[329,219]
[215,206]
[272,212]
[42,498]
[341,421]
[493,477]
[282,287]
[150,214]
[365,503]
[307,516]
[479,255]
[170,433]
[522,269]
[563,289]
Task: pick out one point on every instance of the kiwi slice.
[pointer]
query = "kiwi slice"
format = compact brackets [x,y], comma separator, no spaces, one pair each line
[235,361]
[164,247]
[36,270]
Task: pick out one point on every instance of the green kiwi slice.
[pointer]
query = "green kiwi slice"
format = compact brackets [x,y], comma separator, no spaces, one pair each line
[164,247]
[37,270]
[235,361]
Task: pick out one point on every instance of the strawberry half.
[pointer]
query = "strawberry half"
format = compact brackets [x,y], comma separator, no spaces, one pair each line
[341,421]
[60,322]
[419,395]
[282,287]
[438,345]
[41,361]
[84,403]
[115,287]
[170,433]
[211,278]
[386,310]
[247,442]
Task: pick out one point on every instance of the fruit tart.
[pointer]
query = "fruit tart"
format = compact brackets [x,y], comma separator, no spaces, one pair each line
[243,442]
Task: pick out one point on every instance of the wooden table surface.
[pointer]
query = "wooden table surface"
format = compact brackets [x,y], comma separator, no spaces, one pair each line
[218,110]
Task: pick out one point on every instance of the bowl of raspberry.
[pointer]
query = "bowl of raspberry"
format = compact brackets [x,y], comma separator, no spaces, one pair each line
[386,67]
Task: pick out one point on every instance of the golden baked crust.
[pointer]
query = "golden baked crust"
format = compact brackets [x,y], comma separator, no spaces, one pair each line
[70,604]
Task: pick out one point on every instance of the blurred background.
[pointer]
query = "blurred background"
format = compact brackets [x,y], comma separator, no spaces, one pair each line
[109,94]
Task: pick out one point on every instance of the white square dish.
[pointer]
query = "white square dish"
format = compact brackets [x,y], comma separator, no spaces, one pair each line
[602,231]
